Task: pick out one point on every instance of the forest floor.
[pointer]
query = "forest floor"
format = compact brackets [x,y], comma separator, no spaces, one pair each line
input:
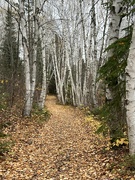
[63,148]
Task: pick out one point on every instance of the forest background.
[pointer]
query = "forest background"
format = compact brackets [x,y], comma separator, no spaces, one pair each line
[82,51]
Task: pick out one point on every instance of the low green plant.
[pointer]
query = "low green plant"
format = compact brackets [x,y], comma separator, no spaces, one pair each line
[5,124]
[2,135]
[3,101]
[4,147]
[41,115]
[130,162]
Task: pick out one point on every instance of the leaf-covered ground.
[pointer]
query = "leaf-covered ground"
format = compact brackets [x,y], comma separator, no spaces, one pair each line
[63,148]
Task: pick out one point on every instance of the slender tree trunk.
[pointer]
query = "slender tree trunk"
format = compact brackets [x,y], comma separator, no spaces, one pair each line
[130,95]
[41,103]
[27,108]
[30,72]
[85,89]
[103,41]
[95,62]
[114,28]
[36,38]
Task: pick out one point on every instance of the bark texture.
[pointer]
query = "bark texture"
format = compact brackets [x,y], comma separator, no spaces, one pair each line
[130,95]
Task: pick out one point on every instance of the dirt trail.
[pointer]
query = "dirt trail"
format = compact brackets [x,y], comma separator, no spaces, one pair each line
[60,149]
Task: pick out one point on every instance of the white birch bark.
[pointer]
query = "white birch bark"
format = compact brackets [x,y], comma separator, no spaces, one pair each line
[36,36]
[85,89]
[41,103]
[130,95]
[73,89]
[104,38]
[27,108]
[73,27]
[59,68]
[30,76]
[114,28]
[95,62]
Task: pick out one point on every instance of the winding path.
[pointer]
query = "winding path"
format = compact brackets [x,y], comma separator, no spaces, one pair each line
[60,149]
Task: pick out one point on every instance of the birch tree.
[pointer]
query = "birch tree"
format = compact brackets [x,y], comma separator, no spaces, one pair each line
[60,67]
[77,29]
[43,93]
[27,108]
[47,43]
[113,70]
[130,94]
[114,28]
[47,65]
[30,72]
[93,55]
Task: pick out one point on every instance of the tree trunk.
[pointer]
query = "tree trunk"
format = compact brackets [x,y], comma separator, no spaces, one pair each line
[95,62]
[130,95]
[27,107]
[36,38]
[114,28]
[41,103]
[30,72]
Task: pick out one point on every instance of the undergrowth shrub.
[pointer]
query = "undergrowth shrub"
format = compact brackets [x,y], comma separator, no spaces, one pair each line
[41,115]
[130,162]
[4,145]
[3,101]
